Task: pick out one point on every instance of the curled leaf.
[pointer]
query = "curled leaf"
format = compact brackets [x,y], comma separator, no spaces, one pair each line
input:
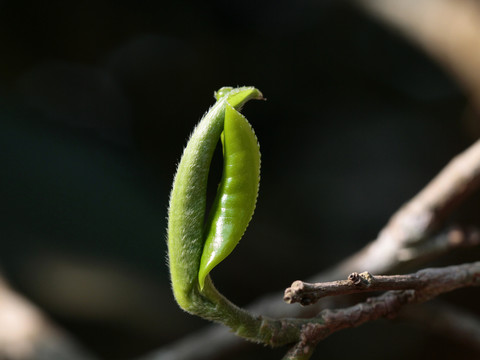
[186,219]
[237,193]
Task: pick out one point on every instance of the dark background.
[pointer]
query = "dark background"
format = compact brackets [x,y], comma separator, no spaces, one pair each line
[97,99]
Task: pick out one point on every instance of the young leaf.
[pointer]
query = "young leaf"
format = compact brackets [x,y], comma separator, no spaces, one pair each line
[237,193]
[186,216]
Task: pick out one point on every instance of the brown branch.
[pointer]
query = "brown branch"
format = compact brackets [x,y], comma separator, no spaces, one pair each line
[331,321]
[306,293]
[441,280]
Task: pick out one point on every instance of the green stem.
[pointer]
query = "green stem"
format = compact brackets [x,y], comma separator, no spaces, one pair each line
[215,307]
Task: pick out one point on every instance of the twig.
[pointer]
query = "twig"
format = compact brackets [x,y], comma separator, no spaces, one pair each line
[331,321]
[306,293]
[389,304]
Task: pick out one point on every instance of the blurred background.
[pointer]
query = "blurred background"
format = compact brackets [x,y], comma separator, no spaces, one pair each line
[97,99]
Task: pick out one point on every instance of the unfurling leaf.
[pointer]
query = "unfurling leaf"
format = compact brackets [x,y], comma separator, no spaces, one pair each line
[195,248]
[237,193]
